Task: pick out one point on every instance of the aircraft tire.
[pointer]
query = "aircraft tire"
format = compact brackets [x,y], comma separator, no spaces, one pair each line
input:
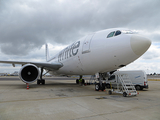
[77,81]
[38,82]
[43,82]
[83,81]
[108,85]
[109,92]
[97,87]
[103,87]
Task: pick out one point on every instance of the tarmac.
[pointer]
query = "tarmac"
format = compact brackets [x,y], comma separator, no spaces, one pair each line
[65,100]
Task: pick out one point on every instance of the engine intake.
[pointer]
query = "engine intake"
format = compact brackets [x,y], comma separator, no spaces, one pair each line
[29,73]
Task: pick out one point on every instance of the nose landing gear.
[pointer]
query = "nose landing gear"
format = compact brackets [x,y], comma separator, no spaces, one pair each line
[100,86]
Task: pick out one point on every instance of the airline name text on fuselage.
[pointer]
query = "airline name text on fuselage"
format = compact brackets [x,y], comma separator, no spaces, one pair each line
[69,51]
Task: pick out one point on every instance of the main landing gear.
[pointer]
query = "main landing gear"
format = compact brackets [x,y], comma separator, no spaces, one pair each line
[100,86]
[41,81]
[80,80]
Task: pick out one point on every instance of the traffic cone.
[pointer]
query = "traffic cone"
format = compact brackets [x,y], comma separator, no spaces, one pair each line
[27,86]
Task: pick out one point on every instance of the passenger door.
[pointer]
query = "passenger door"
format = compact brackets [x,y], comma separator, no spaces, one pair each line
[86,44]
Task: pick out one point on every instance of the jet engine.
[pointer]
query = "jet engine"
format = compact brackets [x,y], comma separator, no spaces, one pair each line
[29,73]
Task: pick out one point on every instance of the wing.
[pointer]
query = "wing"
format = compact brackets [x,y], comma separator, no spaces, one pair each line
[48,66]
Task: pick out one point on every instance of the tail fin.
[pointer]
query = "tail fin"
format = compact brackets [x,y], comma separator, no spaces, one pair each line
[47,53]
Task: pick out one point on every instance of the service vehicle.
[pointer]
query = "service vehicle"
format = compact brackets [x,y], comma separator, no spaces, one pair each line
[138,78]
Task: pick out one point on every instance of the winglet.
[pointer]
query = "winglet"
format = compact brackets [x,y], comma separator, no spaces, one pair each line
[47,53]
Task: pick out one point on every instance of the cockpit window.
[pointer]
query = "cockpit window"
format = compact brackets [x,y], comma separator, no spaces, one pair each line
[117,33]
[111,34]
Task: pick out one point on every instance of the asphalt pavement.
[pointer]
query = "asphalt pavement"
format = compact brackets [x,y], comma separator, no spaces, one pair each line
[65,100]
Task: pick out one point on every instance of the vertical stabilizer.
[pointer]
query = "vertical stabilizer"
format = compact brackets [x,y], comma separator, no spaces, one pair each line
[47,53]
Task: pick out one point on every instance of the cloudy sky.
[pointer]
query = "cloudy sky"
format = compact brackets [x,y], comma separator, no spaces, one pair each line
[26,25]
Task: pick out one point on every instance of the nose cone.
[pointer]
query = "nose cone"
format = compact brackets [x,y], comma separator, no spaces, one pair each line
[139,44]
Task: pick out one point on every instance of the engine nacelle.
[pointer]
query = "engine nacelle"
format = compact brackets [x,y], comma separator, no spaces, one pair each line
[29,73]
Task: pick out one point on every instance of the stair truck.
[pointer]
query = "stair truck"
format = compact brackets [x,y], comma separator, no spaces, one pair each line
[138,78]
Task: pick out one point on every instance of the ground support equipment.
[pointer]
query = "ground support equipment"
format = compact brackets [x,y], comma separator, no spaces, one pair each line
[124,86]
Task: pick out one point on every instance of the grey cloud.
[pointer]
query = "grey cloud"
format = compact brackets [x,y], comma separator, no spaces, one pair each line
[27,25]
[155,37]
[153,52]
[150,55]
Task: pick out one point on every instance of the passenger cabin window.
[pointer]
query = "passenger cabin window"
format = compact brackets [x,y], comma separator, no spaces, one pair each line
[111,34]
[118,32]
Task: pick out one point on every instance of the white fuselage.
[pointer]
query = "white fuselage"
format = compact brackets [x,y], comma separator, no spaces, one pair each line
[95,53]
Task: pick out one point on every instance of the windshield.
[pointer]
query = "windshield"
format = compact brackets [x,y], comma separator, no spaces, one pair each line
[114,33]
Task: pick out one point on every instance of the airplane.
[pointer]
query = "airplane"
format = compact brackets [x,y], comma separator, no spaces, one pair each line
[98,53]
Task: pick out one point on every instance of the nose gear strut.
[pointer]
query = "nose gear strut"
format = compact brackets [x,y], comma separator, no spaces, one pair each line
[100,85]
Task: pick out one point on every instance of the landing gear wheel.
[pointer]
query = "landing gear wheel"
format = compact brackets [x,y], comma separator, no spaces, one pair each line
[97,86]
[43,82]
[38,82]
[109,92]
[103,86]
[77,81]
[124,94]
[83,81]
[108,85]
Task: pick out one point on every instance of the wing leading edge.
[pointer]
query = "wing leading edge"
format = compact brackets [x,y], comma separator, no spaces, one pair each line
[48,66]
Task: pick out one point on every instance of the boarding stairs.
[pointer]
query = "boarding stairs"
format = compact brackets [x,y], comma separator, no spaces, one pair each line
[125,86]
